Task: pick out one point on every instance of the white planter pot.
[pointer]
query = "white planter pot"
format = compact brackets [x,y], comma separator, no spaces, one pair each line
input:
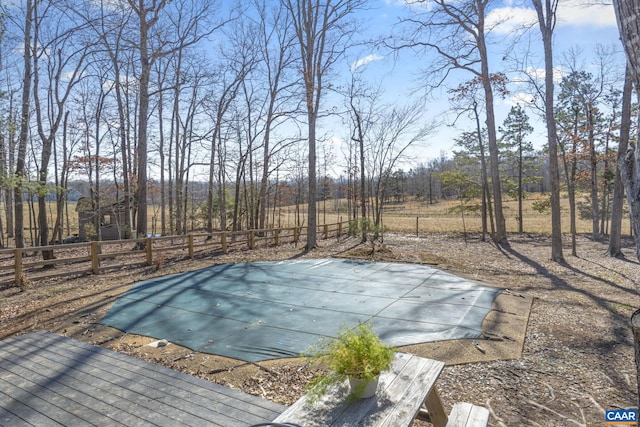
[363,389]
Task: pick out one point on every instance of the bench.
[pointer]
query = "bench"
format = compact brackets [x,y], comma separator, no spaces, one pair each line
[465,414]
[409,384]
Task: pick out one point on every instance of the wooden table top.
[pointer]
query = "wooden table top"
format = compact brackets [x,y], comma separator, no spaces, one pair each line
[400,394]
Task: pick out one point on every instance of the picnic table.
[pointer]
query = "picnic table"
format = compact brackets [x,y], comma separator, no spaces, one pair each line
[402,392]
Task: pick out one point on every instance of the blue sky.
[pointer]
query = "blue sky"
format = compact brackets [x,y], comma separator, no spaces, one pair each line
[580,27]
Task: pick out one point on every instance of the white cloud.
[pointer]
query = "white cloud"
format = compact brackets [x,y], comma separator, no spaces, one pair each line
[509,19]
[506,20]
[365,60]
[585,13]
[539,73]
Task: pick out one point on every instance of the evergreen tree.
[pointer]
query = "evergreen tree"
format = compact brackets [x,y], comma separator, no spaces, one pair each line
[515,130]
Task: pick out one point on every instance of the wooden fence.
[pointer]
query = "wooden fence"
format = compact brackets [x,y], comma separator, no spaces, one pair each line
[20,265]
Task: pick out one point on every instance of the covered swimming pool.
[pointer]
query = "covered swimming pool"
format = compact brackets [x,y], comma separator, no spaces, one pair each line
[267,310]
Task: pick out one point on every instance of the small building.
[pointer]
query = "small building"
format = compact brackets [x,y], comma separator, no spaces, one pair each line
[111,220]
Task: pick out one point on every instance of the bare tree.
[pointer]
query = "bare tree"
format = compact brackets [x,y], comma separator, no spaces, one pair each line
[276,43]
[110,25]
[62,179]
[465,100]
[187,75]
[233,72]
[457,31]
[628,15]
[363,106]
[615,241]
[582,93]
[8,137]
[60,52]
[20,172]
[164,27]
[323,31]
[395,130]
[546,13]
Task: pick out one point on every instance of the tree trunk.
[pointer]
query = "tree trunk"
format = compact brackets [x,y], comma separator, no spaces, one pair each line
[615,240]
[179,150]
[61,198]
[500,236]
[635,327]
[628,16]
[520,195]
[210,188]
[264,179]
[143,118]
[546,21]
[7,159]
[311,212]
[161,153]
[593,160]
[570,163]
[222,183]
[124,151]
[20,172]
[485,182]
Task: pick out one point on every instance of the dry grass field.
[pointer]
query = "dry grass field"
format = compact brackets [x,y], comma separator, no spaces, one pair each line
[439,217]
[408,217]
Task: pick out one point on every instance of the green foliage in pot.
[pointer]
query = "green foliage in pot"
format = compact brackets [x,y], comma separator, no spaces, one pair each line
[356,352]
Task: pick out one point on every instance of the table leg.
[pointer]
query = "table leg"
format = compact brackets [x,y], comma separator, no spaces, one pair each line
[437,415]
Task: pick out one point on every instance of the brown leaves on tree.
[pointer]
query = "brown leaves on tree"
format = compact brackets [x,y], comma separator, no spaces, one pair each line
[468,89]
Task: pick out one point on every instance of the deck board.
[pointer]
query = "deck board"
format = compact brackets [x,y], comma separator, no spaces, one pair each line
[50,379]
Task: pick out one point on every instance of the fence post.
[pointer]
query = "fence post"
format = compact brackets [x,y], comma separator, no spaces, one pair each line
[276,236]
[252,242]
[326,231]
[190,246]
[417,226]
[339,230]
[149,250]
[295,234]
[95,261]
[17,256]
[223,241]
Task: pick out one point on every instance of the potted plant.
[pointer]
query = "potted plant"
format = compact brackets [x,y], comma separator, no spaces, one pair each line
[356,354]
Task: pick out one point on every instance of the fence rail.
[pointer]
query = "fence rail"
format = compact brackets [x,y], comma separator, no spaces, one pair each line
[20,265]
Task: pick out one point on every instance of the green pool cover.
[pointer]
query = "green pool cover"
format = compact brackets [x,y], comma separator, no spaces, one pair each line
[268,310]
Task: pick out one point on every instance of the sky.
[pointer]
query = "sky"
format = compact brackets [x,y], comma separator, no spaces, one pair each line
[580,28]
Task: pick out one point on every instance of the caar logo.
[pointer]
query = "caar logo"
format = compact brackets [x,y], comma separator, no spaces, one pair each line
[621,417]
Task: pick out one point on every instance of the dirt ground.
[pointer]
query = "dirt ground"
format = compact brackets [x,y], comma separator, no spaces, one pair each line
[575,360]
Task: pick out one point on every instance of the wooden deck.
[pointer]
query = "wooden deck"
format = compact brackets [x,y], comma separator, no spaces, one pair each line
[49,380]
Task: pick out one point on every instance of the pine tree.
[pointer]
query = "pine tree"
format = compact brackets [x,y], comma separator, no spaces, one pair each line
[515,130]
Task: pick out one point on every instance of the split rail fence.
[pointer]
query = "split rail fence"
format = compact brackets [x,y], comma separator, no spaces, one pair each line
[20,265]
